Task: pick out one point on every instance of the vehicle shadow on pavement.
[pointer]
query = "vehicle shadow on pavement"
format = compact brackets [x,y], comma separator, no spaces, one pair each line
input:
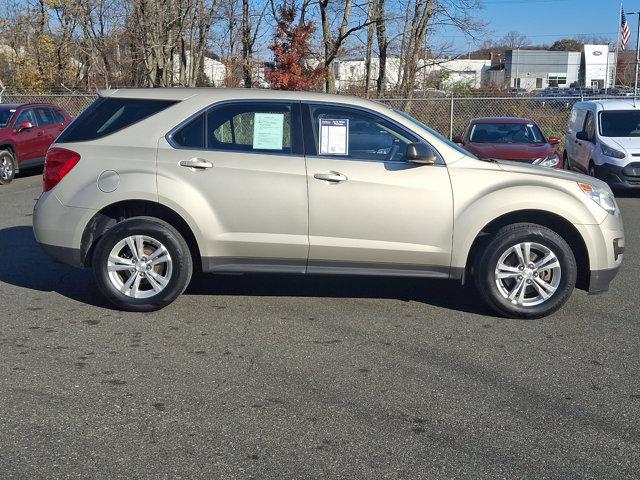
[440,293]
[27,266]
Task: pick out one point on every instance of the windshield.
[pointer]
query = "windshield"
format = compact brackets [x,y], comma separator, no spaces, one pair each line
[436,134]
[620,123]
[5,116]
[505,133]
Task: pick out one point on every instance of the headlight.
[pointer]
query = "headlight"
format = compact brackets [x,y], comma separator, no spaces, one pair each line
[550,161]
[602,196]
[611,152]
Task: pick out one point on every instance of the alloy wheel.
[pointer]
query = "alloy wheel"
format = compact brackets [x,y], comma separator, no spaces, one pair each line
[528,274]
[6,168]
[139,266]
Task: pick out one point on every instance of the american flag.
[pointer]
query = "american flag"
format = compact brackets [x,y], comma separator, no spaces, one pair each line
[625,33]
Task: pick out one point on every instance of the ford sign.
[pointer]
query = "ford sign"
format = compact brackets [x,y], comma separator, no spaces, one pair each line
[597,53]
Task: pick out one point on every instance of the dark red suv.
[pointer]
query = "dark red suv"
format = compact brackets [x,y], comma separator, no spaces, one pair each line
[510,138]
[26,132]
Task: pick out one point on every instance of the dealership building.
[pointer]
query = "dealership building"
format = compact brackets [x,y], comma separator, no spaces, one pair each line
[593,67]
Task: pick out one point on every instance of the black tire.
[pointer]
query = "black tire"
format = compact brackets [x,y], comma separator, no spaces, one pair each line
[499,244]
[592,171]
[7,167]
[566,164]
[167,236]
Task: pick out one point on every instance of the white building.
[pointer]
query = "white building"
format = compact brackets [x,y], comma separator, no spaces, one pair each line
[593,67]
[350,72]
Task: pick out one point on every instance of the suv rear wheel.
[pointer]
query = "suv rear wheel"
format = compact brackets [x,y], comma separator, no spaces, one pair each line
[526,271]
[142,264]
[7,167]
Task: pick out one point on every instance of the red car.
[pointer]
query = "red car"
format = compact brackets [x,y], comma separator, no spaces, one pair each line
[508,138]
[26,132]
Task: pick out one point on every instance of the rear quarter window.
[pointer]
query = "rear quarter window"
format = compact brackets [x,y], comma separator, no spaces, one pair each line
[108,115]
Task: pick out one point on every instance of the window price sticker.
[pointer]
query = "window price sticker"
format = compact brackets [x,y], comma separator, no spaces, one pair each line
[334,136]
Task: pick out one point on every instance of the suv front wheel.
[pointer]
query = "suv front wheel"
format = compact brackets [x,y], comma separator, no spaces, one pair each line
[526,271]
[142,264]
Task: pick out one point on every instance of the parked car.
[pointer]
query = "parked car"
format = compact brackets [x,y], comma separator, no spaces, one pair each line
[603,140]
[148,185]
[510,138]
[26,132]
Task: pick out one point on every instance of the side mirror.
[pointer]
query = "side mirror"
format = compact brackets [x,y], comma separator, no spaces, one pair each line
[583,136]
[25,126]
[553,140]
[457,139]
[420,153]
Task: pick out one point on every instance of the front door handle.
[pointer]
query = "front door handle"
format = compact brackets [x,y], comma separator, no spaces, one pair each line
[333,177]
[197,163]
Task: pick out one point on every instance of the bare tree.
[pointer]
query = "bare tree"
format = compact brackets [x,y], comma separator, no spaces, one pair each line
[332,42]
[371,14]
[383,46]
[514,39]
[249,35]
[426,16]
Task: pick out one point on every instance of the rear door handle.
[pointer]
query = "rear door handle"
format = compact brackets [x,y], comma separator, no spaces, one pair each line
[333,177]
[197,163]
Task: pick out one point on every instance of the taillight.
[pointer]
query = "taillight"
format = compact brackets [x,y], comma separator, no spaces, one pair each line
[58,162]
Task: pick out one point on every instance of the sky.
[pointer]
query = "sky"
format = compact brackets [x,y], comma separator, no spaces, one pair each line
[545,21]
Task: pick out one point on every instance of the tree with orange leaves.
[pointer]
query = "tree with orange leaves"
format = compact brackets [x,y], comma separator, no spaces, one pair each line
[291,70]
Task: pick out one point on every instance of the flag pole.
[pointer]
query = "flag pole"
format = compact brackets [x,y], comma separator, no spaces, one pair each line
[635,85]
[615,65]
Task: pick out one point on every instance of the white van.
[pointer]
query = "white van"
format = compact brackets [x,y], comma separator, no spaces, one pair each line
[603,140]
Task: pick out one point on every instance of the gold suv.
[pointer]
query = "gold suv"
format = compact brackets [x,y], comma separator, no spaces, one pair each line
[149,184]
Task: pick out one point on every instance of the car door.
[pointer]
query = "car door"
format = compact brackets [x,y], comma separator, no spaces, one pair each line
[241,164]
[584,148]
[47,124]
[60,122]
[370,210]
[27,140]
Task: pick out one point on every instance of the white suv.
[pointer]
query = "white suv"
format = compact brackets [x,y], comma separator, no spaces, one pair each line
[603,140]
[148,185]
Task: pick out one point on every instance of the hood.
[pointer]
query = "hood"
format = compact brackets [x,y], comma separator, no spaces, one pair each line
[511,151]
[518,167]
[627,143]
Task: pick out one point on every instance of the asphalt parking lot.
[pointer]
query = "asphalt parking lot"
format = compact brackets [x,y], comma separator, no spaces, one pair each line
[325,377]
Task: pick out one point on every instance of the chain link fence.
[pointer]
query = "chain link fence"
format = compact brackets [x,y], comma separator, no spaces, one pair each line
[71,103]
[451,115]
[447,115]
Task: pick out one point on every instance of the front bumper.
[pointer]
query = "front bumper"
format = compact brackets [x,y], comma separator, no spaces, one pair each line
[605,245]
[600,280]
[620,177]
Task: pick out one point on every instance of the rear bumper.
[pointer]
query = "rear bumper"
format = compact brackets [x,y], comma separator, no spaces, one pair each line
[620,177]
[66,255]
[58,228]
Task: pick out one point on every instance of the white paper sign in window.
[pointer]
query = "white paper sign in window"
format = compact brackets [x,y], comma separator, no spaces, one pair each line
[334,136]
[268,130]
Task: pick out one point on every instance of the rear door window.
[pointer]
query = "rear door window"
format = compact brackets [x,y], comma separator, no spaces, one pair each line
[57,116]
[109,115]
[254,127]
[45,117]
